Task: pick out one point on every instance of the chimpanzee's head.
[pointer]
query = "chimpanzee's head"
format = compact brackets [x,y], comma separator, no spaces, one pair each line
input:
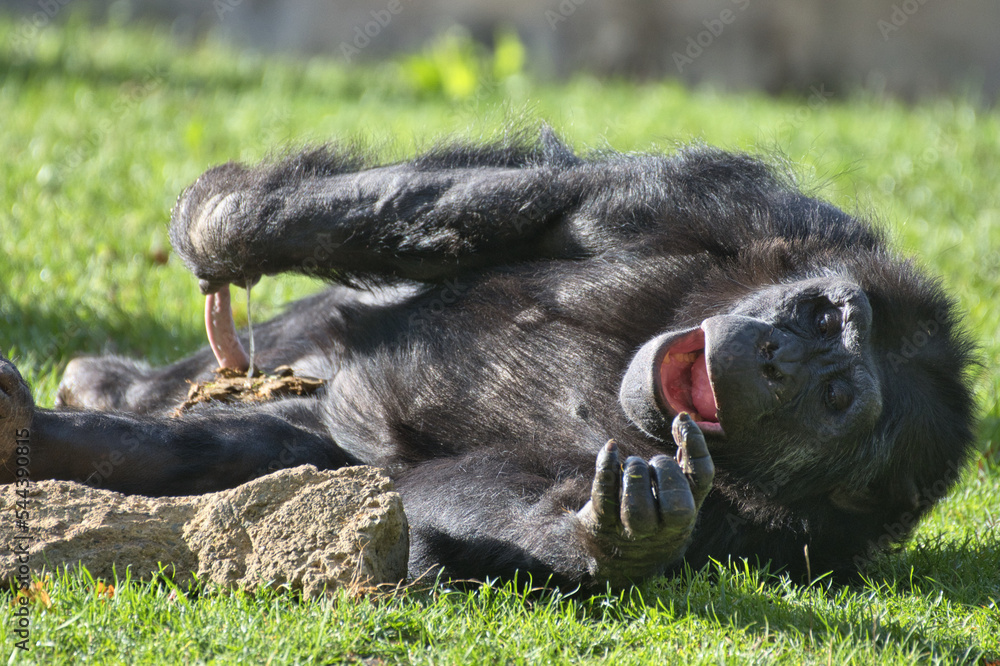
[852,384]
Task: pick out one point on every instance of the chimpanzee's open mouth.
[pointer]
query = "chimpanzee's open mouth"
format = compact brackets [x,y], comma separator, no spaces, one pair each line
[684,382]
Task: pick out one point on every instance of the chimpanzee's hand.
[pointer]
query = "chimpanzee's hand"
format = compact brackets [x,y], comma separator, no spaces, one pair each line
[641,515]
[16,409]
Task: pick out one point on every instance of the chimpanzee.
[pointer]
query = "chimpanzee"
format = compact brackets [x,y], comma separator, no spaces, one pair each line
[542,349]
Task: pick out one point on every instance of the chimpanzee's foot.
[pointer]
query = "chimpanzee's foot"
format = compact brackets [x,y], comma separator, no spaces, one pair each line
[116,383]
[100,383]
[16,410]
[641,515]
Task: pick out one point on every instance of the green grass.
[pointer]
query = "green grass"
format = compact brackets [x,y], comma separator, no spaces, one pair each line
[99,131]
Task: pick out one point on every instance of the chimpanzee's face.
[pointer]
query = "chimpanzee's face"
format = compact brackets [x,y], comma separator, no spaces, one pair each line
[788,362]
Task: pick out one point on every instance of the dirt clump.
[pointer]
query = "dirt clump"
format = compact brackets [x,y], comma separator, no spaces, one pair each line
[231,385]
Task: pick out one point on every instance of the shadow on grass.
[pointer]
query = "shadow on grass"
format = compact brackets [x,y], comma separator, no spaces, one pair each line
[767,605]
[53,336]
[760,603]
[965,571]
[115,74]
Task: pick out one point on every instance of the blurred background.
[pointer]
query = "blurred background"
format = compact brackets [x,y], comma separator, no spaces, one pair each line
[906,48]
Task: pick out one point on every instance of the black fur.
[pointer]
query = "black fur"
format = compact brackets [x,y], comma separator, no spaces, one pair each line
[490,301]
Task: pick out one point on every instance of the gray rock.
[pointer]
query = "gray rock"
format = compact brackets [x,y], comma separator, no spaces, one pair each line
[303,528]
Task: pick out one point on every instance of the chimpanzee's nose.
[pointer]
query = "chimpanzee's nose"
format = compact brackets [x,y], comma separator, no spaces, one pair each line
[781,359]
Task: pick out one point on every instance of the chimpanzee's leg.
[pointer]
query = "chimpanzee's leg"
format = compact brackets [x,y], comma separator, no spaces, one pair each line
[197,453]
[115,383]
[191,455]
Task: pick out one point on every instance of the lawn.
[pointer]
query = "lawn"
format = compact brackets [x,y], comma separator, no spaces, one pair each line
[100,130]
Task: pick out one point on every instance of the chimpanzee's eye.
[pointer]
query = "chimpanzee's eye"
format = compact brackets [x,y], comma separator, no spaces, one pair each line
[828,322]
[839,396]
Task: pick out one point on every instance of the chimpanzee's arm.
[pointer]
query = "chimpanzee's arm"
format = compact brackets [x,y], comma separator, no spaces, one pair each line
[620,521]
[427,219]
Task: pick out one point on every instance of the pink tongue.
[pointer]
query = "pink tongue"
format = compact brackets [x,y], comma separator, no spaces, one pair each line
[701,391]
[221,330]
